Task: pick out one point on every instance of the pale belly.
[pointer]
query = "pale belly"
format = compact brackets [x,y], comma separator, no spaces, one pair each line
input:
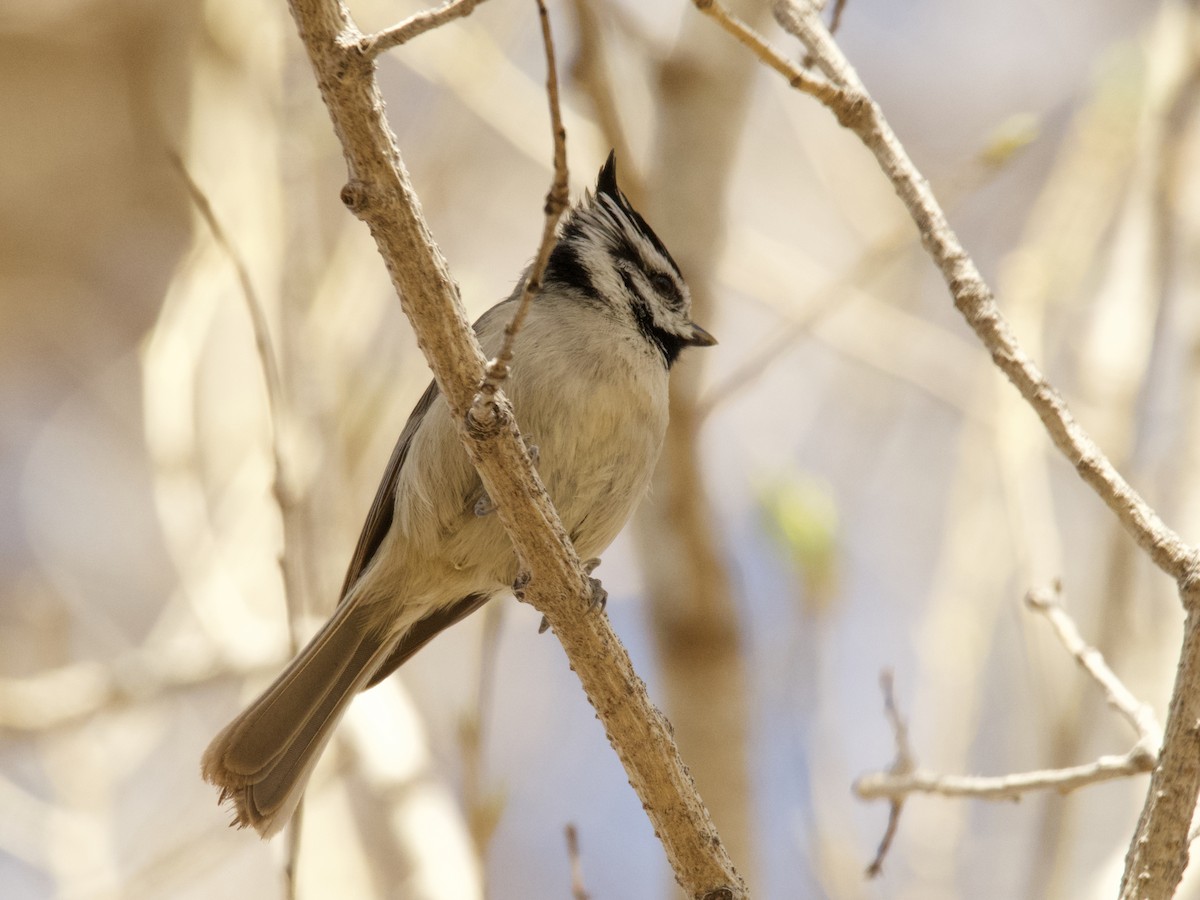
[597,417]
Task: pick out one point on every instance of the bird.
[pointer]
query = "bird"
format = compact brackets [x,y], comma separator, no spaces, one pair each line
[589,388]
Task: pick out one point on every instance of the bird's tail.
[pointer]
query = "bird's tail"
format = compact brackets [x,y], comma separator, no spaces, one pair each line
[261,760]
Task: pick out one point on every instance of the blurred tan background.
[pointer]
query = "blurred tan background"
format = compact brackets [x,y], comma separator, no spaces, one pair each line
[852,486]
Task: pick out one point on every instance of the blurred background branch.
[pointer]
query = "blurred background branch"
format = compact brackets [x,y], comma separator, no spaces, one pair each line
[907,778]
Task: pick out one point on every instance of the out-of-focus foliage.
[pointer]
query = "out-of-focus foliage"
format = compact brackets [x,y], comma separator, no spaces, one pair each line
[803,517]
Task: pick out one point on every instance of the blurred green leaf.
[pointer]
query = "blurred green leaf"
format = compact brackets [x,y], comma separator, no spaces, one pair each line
[1010,138]
[801,513]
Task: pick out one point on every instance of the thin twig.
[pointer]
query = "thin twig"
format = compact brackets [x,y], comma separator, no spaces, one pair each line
[1135,712]
[835,21]
[590,74]
[578,891]
[854,108]
[556,204]
[897,783]
[291,866]
[903,765]
[280,485]
[823,90]
[1158,853]
[372,45]
[885,786]
[905,761]
[258,316]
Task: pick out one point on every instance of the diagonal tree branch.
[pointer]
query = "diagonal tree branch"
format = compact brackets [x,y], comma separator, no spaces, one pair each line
[379,192]
[854,108]
[1158,853]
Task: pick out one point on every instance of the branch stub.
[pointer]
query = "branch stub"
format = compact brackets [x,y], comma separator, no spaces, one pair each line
[355,196]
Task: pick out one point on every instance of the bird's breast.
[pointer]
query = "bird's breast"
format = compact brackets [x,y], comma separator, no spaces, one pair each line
[598,434]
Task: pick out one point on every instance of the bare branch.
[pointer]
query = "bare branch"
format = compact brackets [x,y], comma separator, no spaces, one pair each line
[291,864]
[484,807]
[276,405]
[590,74]
[380,194]
[849,101]
[1158,853]
[904,778]
[875,869]
[818,87]
[1119,697]
[372,45]
[905,761]
[258,316]
[885,786]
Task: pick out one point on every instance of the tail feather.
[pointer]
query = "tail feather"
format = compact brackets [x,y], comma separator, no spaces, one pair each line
[262,760]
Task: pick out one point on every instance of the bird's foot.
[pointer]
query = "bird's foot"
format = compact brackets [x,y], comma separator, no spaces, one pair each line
[599,598]
[520,584]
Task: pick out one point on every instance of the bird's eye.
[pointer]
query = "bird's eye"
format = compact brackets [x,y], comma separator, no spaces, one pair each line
[663,284]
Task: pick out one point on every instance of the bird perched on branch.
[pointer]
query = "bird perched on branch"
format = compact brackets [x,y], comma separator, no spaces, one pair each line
[588,385]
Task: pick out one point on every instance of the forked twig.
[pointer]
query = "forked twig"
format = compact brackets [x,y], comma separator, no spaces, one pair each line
[904,778]
[823,90]
[903,765]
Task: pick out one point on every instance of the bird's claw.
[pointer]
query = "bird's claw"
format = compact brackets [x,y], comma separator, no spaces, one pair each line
[599,595]
[599,598]
[520,584]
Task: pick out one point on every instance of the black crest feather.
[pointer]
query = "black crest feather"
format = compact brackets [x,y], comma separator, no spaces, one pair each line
[606,185]
[606,181]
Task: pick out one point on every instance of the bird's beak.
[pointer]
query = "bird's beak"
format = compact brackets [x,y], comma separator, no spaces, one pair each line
[699,337]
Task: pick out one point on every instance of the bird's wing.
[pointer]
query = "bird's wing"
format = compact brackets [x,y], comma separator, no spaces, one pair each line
[379,519]
[488,328]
